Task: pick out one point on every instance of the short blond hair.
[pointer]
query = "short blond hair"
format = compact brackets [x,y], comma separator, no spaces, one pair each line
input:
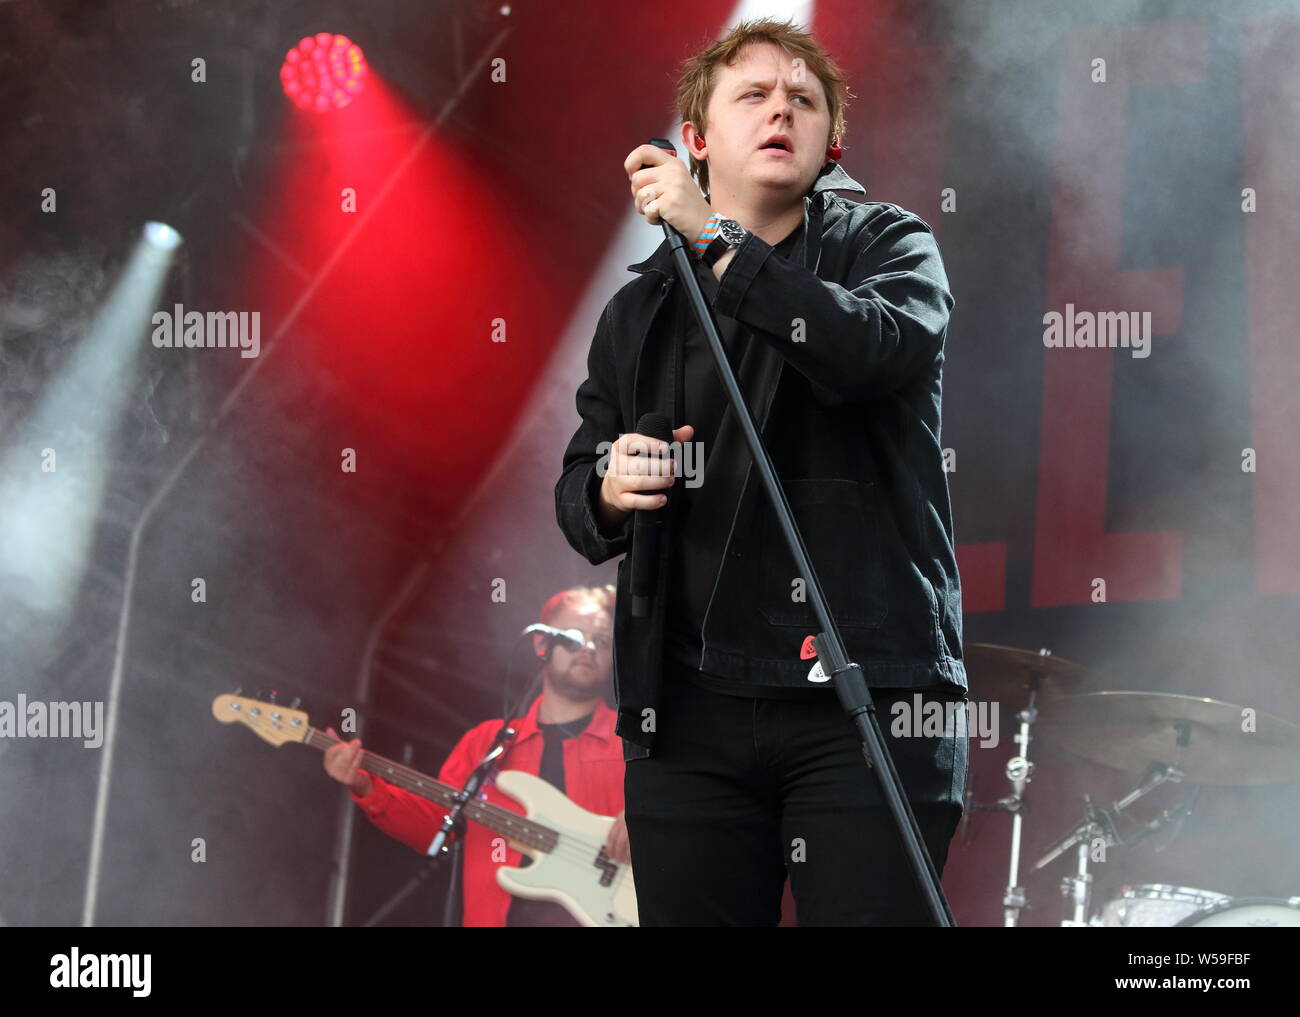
[601,596]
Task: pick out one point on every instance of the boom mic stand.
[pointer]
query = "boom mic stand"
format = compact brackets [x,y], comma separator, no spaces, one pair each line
[448,844]
[831,653]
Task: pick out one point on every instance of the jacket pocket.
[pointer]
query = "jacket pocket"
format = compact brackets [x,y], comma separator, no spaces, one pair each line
[838,521]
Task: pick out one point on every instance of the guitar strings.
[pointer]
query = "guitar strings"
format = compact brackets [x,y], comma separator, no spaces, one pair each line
[573,847]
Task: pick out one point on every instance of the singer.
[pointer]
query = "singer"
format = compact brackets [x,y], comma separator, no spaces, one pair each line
[740,771]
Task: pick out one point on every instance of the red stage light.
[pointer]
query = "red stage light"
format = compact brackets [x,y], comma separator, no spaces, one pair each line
[323,72]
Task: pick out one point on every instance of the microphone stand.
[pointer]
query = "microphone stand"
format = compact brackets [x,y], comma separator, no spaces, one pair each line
[444,844]
[454,821]
[832,656]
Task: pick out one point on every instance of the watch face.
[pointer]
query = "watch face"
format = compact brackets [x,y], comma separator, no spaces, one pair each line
[732,232]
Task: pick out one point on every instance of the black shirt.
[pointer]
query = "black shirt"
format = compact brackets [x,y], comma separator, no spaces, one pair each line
[544,912]
[705,512]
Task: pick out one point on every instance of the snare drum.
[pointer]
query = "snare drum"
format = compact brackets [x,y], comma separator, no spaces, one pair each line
[1253,912]
[1156,905]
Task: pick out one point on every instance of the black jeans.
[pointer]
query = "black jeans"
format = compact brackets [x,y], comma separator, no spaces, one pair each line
[740,792]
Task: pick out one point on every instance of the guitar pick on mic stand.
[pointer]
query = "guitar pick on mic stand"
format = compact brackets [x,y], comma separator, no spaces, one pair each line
[831,653]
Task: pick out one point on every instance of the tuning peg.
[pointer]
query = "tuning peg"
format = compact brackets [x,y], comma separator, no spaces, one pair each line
[274,693]
[296,701]
[239,690]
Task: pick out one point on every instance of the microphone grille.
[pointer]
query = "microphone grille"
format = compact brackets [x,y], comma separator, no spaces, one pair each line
[655,425]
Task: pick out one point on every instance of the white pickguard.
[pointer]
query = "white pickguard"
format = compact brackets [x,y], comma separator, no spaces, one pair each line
[596,890]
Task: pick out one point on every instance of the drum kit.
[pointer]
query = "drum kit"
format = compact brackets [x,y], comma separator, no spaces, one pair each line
[1166,738]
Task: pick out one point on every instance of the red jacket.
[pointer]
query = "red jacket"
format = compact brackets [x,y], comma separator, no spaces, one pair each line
[593,778]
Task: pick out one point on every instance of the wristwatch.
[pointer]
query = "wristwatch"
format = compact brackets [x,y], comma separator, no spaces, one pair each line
[730,234]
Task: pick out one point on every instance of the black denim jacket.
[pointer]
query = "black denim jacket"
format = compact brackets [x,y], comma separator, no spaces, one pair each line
[844,374]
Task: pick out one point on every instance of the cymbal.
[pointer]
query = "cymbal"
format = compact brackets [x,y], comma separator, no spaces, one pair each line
[1211,741]
[1004,673]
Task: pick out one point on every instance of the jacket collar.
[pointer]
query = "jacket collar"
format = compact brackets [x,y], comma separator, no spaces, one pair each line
[601,726]
[833,177]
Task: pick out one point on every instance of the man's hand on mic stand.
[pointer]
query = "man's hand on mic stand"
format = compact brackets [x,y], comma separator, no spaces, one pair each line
[639,467]
[665,192]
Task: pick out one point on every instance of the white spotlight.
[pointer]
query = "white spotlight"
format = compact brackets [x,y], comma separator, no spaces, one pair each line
[161,236]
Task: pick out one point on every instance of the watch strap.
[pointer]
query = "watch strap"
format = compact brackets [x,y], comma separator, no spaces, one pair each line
[728,234]
[707,235]
[716,249]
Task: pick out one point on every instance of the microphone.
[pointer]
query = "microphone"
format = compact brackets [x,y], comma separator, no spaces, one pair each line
[667,146]
[660,143]
[570,639]
[647,527]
